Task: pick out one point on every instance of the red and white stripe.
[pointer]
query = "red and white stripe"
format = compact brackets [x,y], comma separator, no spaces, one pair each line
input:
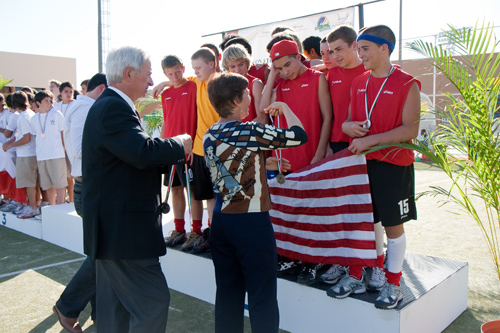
[323,213]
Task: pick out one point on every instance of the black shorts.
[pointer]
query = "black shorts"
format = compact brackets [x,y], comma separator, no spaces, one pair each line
[179,175]
[393,192]
[338,146]
[202,182]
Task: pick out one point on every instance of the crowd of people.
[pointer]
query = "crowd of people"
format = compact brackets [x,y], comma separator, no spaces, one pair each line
[226,131]
[35,170]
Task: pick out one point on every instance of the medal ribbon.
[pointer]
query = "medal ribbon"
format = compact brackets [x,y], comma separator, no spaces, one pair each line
[277,152]
[369,114]
[44,124]
[189,194]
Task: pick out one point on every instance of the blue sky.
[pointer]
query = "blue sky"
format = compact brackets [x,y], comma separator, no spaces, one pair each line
[69,28]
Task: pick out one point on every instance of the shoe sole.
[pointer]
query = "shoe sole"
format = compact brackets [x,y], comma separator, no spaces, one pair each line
[331,294]
[388,307]
[307,283]
[331,281]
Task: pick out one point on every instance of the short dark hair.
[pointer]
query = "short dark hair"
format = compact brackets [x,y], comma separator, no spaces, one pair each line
[223,89]
[205,53]
[41,95]
[238,40]
[344,32]
[324,40]
[66,84]
[278,38]
[85,83]
[212,47]
[1,97]
[96,81]
[31,97]
[20,100]
[8,100]
[380,31]
[312,42]
[27,89]
[279,29]
[171,61]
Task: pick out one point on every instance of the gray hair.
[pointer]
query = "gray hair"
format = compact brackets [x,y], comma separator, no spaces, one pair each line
[119,59]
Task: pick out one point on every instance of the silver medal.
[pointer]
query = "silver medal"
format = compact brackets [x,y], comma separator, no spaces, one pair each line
[280,178]
[367,124]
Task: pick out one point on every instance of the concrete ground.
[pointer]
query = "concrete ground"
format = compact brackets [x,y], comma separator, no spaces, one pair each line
[33,273]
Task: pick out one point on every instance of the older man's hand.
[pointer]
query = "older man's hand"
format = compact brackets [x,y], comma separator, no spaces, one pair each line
[187,142]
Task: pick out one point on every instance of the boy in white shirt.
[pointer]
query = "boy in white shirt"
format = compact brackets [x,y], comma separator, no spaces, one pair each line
[66,91]
[47,126]
[26,165]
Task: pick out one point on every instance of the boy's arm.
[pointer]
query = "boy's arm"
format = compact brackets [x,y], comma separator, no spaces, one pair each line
[162,131]
[269,94]
[11,143]
[257,89]
[353,128]
[158,89]
[404,133]
[325,105]
[7,133]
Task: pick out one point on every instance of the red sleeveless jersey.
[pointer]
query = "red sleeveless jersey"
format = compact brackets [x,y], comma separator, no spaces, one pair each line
[387,113]
[251,108]
[339,80]
[179,110]
[259,73]
[301,95]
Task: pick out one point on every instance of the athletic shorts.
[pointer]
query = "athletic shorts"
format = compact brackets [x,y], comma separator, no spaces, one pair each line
[202,182]
[53,173]
[393,192]
[338,146]
[26,171]
[179,175]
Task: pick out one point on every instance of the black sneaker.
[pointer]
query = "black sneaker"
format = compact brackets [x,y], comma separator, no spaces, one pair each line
[287,266]
[203,246]
[175,238]
[308,274]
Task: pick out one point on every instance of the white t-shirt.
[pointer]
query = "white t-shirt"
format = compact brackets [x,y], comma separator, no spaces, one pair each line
[61,107]
[23,128]
[74,121]
[51,124]
[12,126]
[4,118]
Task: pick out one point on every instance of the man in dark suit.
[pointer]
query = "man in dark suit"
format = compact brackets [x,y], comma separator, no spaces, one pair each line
[121,167]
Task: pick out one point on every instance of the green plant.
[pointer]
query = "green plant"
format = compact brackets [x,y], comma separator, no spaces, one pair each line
[154,120]
[4,82]
[467,146]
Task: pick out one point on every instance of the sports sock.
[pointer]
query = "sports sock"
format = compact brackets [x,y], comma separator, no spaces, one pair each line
[380,261]
[179,225]
[197,226]
[356,271]
[396,248]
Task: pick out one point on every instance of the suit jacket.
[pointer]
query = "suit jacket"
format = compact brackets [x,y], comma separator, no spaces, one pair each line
[121,182]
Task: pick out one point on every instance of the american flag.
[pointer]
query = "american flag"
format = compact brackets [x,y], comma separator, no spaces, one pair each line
[323,213]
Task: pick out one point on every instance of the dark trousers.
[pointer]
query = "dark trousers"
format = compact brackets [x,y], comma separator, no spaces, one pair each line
[132,296]
[244,254]
[81,289]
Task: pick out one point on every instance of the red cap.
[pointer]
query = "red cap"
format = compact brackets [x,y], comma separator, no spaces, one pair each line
[283,48]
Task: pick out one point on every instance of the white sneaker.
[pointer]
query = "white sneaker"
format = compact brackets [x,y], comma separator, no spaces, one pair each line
[346,286]
[377,279]
[333,274]
[389,297]
[22,209]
